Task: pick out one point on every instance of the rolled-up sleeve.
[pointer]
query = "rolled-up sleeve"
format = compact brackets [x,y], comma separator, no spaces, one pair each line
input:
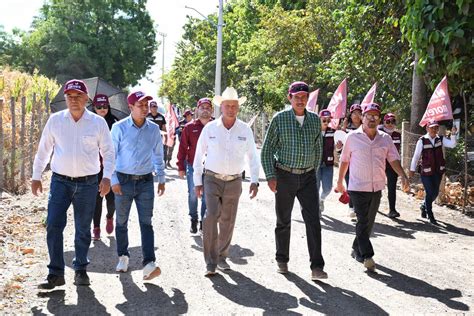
[346,150]
[157,157]
[392,153]
[253,159]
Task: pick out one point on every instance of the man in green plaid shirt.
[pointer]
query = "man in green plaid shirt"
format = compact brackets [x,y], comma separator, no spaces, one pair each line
[291,155]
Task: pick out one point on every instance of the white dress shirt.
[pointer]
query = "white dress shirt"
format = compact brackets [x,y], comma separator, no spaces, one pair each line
[223,150]
[75,146]
[449,143]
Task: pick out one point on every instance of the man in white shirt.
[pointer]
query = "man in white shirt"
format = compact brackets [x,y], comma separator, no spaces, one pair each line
[220,155]
[74,137]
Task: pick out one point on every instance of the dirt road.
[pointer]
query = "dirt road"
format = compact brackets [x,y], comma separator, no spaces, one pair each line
[420,268]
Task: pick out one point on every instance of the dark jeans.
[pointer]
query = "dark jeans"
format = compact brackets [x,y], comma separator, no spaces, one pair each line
[392,178]
[302,187]
[431,185]
[192,197]
[110,198]
[142,192]
[346,177]
[366,205]
[81,195]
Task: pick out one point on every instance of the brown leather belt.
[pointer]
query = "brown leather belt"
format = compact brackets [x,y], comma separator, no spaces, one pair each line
[223,177]
[293,170]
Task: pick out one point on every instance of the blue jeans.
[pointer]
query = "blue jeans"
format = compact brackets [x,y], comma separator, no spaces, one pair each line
[324,179]
[82,195]
[431,185]
[142,192]
[192,197]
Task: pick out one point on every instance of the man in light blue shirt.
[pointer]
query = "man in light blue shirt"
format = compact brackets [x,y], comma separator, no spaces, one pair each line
[139,154]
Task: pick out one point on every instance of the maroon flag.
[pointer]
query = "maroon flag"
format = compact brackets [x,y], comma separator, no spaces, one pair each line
[439,107]
[171,124]
[312,104]
[338,104]
[369,97]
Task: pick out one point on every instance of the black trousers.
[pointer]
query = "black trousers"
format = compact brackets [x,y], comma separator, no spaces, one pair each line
[392,178]
[304,188]
[110,198]
[366,205]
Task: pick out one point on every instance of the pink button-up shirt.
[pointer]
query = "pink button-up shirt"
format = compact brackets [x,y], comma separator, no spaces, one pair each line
[367,159]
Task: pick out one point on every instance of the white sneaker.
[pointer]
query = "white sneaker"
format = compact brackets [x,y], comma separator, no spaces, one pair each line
[369,264]
[151,271]
[122,265]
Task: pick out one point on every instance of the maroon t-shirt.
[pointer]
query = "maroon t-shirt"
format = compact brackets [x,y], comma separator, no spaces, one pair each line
[188,143]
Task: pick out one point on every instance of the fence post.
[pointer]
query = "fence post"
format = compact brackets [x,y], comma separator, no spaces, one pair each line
[40,116]
[47,102]
[1,145]
[405,144]
[22,139]
[32,131]
[263,126]
[13,143]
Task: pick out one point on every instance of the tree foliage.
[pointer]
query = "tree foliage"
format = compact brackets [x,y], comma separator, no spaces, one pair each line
[112,39]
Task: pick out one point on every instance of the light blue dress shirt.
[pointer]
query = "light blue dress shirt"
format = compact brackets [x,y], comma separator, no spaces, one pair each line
[138,150]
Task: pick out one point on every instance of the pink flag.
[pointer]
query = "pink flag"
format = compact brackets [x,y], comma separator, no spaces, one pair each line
[369,97]
[338,103]
[439,107]
[312,101]
[171,124]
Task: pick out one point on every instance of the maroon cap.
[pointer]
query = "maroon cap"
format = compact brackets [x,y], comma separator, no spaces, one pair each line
[100,99]
[355,106]
[137,96]
[432,123]
[153,103]
[325,113]
[389,116]
[204,101]
[188,112]
[371,107]
[75,85]
[297,87]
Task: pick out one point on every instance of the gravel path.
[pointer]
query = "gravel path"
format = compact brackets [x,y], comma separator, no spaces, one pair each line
[421,269]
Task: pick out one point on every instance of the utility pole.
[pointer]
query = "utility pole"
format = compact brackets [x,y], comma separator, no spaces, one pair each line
[163,35]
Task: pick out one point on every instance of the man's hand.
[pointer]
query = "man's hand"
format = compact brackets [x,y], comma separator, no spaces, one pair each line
[272,184]
[117,189]
[454,130]
[182,174]
[405,185]
[104,187]
[199,190]
[411,174]
[36,186]
[338,145]
[340,187]
[253,190]
[161,189]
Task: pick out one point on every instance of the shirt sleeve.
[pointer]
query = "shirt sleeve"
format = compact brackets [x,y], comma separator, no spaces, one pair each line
[183,149]
[252,156]
[106,148]
[269,149]
[115,133]
[346,150]
[198,164]
[319,145]
[450,142]
[392,154]
[416,155]
[45,149]
[157,158]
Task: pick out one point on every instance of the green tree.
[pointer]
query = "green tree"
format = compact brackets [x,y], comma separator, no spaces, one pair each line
[112,39]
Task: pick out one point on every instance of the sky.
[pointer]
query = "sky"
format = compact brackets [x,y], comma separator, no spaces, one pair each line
[169,17]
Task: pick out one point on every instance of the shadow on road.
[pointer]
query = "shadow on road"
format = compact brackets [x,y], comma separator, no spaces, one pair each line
[246,292]
[153,301]
[87,303]
[237,254]
[417,287]
[333,300]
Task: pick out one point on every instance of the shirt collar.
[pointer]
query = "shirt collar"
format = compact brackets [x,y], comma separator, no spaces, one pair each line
[87,115]
[131,123]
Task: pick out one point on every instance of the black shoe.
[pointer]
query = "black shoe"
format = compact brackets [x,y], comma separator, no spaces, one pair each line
[393,214]
[200,227]
[356,256]
[168,164]
[193,229]
[81,278]
[433,221]
[52,281]
[423,211]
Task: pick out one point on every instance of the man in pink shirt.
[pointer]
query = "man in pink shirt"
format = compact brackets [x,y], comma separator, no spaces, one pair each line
[366,151]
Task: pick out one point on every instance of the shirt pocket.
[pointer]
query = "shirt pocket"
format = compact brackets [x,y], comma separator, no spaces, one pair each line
[89,144]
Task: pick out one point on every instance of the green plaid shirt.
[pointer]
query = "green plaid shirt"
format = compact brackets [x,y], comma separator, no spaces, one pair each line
[291,144]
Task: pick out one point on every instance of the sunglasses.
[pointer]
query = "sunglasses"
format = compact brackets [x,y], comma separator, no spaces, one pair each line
[390,122]
[326,121]
[101,107]
[154,106]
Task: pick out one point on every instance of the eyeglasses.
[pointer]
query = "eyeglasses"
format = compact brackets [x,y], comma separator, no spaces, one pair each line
[390,122]
[326,121]
[154,106]
[372,116]
[101,107]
